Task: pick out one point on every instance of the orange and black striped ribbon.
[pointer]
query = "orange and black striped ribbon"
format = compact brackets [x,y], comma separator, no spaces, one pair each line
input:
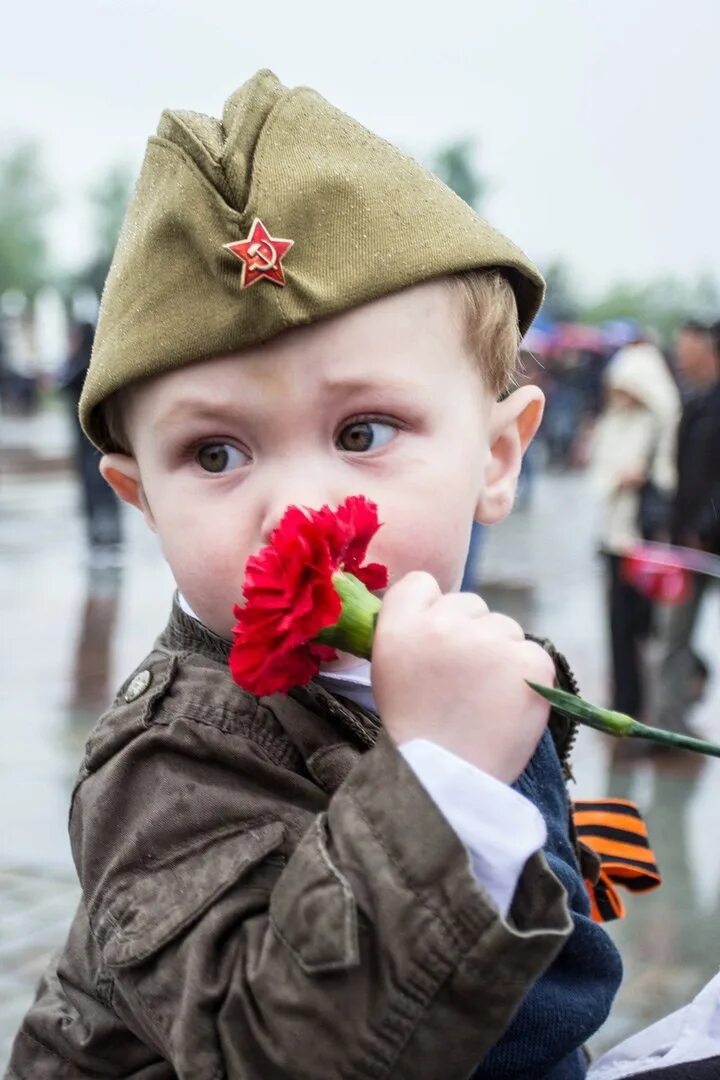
[616,831]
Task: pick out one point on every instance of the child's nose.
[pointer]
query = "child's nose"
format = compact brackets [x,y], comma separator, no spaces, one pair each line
[308,492]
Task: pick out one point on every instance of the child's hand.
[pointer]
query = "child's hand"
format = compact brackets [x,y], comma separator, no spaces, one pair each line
[446,669]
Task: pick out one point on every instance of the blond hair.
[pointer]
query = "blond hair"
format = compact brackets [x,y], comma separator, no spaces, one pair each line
[490,315]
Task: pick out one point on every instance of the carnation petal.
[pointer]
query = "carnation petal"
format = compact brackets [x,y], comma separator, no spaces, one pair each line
[290,597]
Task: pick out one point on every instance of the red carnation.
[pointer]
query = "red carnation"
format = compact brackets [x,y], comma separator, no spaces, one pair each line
[305,581]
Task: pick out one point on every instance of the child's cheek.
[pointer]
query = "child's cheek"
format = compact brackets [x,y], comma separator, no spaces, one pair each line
[422,551]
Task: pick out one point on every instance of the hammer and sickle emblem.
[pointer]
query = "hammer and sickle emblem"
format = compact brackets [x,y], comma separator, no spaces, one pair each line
[263,256]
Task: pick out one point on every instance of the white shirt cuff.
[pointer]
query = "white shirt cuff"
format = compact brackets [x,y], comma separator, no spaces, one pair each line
[500,828]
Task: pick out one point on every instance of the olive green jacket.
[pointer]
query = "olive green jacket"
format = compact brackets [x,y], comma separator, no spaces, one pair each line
[269,892]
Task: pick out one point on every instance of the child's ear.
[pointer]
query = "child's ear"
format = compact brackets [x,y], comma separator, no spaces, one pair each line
[121,472]
[513,423]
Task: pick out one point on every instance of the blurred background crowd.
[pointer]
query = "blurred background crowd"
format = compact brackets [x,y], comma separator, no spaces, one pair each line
[589,133]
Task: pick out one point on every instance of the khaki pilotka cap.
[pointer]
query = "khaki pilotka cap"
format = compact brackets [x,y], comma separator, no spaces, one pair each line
[364,221]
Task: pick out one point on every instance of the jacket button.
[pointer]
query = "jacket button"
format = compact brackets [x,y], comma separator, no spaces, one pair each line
[138,685]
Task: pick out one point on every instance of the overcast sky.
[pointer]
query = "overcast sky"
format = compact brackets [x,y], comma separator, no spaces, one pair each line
[598,120]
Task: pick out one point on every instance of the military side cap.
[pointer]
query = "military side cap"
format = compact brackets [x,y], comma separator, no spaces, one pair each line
[283,213]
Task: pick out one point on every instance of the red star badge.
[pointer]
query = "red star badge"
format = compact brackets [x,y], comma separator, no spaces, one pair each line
[261,255]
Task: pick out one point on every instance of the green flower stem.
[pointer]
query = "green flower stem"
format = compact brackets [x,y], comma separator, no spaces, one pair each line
[618,724]
[354,630]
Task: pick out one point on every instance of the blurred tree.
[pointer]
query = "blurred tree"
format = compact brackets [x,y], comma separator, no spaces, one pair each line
[623,300]
[456,166]
[707,298]
[561,302]
[25,201]
[109,198]
[662,305]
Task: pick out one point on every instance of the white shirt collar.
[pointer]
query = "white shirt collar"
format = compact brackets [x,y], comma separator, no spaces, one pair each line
[353,682]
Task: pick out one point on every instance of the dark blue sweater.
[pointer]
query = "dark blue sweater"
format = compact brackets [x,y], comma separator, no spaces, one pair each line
[572,999]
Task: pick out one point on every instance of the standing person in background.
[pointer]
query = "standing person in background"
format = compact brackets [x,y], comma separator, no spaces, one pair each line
[100,504]
[695,518]
[634,443]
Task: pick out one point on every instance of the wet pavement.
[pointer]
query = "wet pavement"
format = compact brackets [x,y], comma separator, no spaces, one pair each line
[71,633]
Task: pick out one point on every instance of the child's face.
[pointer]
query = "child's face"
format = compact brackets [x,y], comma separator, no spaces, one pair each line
[382,401]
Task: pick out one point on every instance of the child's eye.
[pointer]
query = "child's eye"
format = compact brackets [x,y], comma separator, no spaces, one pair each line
[219,457]
[363,435]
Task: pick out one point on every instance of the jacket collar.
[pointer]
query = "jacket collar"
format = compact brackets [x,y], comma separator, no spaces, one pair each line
[186,634]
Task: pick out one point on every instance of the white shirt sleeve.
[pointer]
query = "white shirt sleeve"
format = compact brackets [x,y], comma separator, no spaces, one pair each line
[500,828]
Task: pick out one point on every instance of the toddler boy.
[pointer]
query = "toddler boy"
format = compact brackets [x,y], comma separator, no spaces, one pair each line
[346,881]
